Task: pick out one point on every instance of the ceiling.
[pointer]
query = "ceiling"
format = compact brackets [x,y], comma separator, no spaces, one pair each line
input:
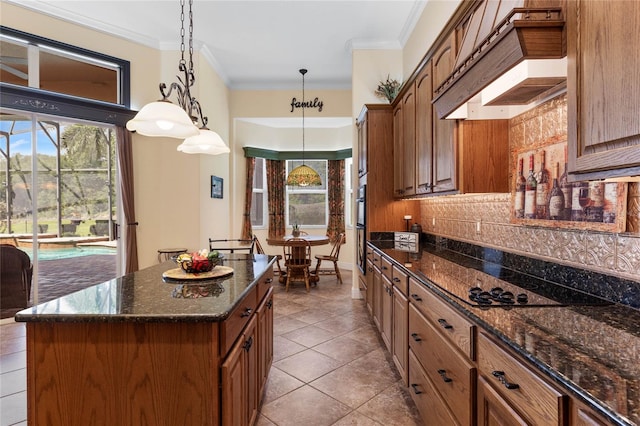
[255,45]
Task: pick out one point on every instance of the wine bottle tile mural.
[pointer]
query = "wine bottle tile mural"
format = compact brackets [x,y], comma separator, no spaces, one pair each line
[544,195]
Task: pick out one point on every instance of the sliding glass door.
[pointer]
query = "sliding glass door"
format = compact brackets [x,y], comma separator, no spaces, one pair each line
[58,199]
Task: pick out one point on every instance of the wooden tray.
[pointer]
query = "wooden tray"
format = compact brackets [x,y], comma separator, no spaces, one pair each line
[179,274]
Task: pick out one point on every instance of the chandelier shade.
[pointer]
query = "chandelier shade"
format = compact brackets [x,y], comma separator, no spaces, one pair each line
[163,119]
[205,142]
[303,175]
[184,119]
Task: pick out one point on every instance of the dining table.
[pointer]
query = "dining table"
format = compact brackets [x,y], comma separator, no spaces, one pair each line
[313,240]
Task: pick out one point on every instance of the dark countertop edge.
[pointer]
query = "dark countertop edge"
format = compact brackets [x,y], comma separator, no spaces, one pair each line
[27,316]
[548,372]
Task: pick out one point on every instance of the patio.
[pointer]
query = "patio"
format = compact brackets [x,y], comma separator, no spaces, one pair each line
[64,276]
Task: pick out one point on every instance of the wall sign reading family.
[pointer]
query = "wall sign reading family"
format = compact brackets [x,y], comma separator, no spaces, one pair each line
[216,187]
[316,103]
[543,194]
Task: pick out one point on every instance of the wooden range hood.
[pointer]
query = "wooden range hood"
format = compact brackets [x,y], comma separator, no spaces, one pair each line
[498,37]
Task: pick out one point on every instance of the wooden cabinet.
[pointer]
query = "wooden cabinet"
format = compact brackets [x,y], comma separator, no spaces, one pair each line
[444,153]
[603,88]
[265,339]
[370,287]
[583,416]
[398,151]
[400,348]
[404,136]
[424,130]
[375,129]
[362,125]
[515,388]
[386,316]
[494,410]
[427,400]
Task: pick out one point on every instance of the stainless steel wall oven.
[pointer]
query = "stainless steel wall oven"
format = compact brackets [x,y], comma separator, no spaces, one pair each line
[361,228]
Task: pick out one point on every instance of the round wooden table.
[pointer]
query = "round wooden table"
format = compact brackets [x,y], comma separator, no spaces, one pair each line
[314,240]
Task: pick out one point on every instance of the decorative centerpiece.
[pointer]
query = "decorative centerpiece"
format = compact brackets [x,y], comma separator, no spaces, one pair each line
[296,230]
[388,89]
[199,262]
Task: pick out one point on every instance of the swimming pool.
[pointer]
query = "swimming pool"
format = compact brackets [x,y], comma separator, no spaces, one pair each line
[69,252]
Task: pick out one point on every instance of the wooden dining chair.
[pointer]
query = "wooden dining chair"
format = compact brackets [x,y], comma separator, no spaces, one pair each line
[233,245]
[297,260]
[332,257]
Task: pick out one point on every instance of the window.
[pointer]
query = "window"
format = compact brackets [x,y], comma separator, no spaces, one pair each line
[307,206]
[259,197]
[43,64]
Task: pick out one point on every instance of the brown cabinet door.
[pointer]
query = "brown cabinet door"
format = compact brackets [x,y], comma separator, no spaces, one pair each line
[408,154]
[362,143]
[265,339]
[400,345]
[386,316]
[370,287]
[603,88]
[377,297]
[424,130]
[398,149]
[444,161]
[495,411]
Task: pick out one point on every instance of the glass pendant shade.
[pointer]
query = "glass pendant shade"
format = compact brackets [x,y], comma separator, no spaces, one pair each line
[206,142]
[304,176]
[163,119]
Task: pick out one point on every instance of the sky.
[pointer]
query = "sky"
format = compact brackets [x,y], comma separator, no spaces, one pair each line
[21,138]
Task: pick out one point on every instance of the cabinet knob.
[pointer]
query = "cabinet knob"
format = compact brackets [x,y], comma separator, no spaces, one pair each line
[415,337]
[246,312]
[445,324]
[269,280]
[501,377]
[443,374]
[247,344]
[415,388]
[396,279]
[416,297]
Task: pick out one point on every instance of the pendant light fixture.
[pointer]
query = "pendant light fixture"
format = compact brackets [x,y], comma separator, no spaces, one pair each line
[184,120]
[303,175]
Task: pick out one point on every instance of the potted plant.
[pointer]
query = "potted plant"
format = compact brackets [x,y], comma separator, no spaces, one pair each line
[388,89]
[296,230]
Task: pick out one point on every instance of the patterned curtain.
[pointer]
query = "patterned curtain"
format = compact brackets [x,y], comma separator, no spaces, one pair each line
[336,199]
[276,178]
[247,232]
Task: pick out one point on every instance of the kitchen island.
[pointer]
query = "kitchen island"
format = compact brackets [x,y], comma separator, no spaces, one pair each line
[138,350]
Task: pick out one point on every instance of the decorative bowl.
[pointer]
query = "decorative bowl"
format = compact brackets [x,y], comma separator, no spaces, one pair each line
[197,266]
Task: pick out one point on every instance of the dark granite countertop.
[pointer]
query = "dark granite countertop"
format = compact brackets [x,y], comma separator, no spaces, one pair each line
[143,296]
[594,351]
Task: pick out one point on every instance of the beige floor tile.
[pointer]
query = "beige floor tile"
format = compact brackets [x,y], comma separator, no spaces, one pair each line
[311,316]
[367,334]
[392,407]
[285,307]
[307,365]
[283,348]
[356,419]
[310,335]
[345,349]
[305,406]
[286,324]
[340,324]
[263,421]
[278,384]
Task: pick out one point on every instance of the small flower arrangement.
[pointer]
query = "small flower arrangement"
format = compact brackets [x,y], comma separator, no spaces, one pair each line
[388,89]
[296,230]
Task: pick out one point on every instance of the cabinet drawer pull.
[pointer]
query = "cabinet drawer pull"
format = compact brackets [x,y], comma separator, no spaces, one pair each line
[384,267]
[500,376]
[416,297]
[396,279]
[269,280]
[247,344]
[415,337]
[246,312]
[270,304]
[370,269]
[415,388]
[445,324]
[443,374]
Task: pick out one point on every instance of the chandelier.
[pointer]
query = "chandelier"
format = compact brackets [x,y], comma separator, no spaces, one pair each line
[163,118]
[303,175]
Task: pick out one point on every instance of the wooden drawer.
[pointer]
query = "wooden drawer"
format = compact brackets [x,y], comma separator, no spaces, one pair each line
[370,252]
[376,258]
[385,267]
[525,391]
[231,328]
[264,284]
[452,375]
[400,280]
[458,329]
[431,406]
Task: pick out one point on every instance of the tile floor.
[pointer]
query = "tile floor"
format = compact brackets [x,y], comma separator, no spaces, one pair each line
[330,366]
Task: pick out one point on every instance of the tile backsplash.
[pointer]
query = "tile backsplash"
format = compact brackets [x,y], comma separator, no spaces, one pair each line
[484,219]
